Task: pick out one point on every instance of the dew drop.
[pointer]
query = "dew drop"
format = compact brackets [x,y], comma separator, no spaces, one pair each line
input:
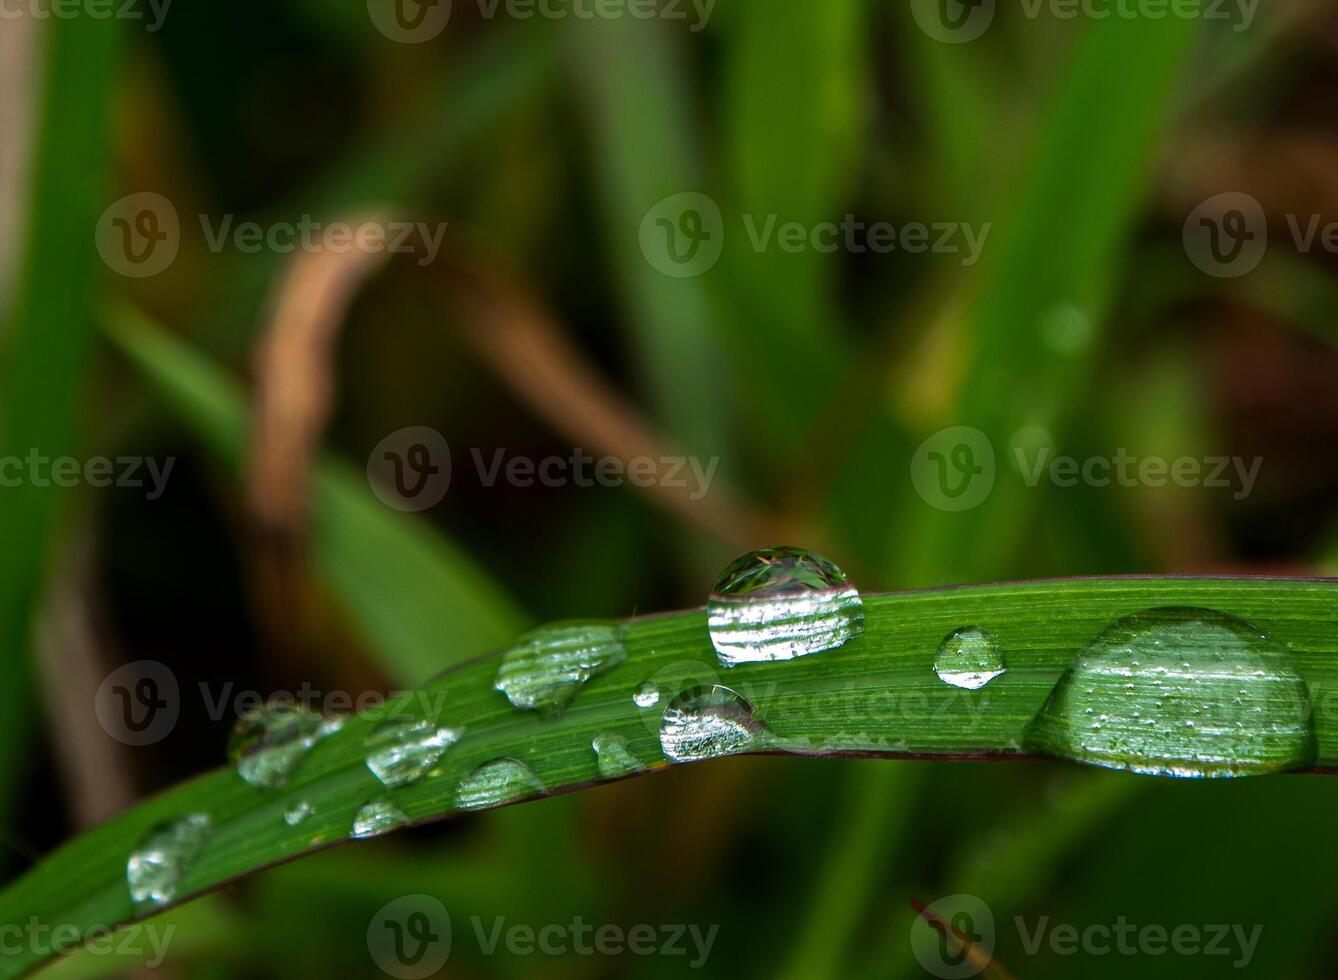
[269,742]
[155,867]
[497,782]
[547,666]
[376,818]
[647,695]
[614,758]
[1250,709]
[969,658]
[707,722]
[298,812]
[779,604]
[402,752]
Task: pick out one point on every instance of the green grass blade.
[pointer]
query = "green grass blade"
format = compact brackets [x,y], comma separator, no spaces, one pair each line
[48,335]
[877,695]
[417,598]
[642,135]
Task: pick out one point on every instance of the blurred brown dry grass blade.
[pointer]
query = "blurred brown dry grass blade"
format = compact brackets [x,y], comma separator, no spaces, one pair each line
[509,331]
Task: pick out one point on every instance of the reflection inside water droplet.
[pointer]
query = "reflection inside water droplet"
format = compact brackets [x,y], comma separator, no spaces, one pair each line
[969,658]
[269,742]
[495,783]
[708,722]
[547,666]
[781,603]
[402,752]
[614,758]
[376,818]
[155,867]
[1126,701]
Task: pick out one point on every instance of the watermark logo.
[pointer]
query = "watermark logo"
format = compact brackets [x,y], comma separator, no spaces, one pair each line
[139,703]
[410,937]
[151,12]
[682,236]
[1227,235]
[953,938]
[144,941]
[409,21]
[953,21]
[139,235]
[959,21]
[410,469]
[953,469]
[37,469]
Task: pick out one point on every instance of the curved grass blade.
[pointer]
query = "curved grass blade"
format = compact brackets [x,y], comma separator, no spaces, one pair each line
[877,696]
[48,335]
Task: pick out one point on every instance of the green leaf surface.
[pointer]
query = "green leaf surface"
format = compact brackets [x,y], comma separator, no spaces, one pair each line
[877,695]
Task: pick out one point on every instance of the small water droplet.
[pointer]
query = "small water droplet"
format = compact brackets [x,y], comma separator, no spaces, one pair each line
[614,758]
[779,604]
[1252,709]
[547,666]
[298,812]
[647,695]
[269,742]
[707,722]
[497,782]
[969,658]
[402,752]
[155,867]
[376,818]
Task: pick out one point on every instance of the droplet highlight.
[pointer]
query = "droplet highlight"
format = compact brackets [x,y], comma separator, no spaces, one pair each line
[547,666]
[614,758]
[495,783]
[969,658]
[400,753]
[269,742]
[376,818]
[297,813]
[779,604]
[1180,692]
[709,722]
[647,695]
[155,867]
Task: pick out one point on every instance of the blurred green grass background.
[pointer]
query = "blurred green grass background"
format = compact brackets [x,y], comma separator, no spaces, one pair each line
[1084,144]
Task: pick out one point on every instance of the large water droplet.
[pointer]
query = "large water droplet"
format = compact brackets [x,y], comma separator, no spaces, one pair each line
[402,752]
[968,658]
[154,869]
[614,758]
[707,722]
[376,818]
[497,782]
[779,604]
[1180,692]
[647,695]
[547,666]
[267,743]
